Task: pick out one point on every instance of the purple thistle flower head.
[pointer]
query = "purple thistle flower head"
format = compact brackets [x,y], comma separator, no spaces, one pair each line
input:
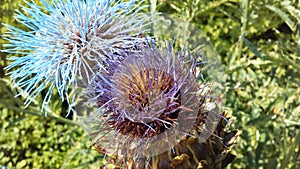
[147,103]
[68,40]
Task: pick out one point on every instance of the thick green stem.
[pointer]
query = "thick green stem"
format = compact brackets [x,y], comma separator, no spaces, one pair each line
[244,4]
[51,115]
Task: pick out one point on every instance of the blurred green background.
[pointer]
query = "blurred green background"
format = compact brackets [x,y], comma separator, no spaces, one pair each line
[258,42]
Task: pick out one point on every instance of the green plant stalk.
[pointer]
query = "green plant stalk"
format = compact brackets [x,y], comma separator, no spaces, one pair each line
[287,157]
[152,6]
[244,20]
[52,115]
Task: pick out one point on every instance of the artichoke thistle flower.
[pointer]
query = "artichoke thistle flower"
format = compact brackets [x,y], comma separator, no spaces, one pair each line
[154,113]
[68,40]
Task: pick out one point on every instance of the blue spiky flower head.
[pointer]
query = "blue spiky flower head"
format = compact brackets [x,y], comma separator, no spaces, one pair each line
[67,40]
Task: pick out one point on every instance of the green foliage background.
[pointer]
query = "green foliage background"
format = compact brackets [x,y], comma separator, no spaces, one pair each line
[258,42]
